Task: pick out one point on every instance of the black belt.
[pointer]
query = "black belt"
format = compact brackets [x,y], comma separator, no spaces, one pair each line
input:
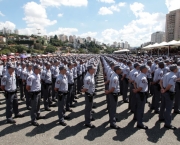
[75,78]
[115,93]
[36,92]
[64,93]
[48,83]
[11,92]
[70,84]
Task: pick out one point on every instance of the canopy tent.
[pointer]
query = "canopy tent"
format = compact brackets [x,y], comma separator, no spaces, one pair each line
[162,45]
[121,51]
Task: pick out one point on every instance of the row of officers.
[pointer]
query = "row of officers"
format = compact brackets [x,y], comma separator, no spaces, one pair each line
[120,74]
[58,84]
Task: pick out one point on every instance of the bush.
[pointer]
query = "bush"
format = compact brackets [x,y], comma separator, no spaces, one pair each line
[50,49]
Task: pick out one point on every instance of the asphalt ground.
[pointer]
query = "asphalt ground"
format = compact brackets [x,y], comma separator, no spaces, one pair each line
[50,132]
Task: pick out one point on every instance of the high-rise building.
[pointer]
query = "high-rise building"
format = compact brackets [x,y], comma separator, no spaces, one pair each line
[158,37]
[122,45]
[88,39]
[126,45]
[71,39]
[16,31]
[173,25]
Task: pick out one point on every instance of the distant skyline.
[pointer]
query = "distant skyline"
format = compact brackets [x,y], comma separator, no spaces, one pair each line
[105,20]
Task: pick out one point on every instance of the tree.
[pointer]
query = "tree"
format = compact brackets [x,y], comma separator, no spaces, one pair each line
[50,49]
[55,37]
[38,46]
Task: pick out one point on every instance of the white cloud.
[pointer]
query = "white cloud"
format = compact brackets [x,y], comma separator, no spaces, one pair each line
[89,34]
[172,4]
[56,3]
[109,10]
[8,25]
[66,31]
[60,15]
[35,16]
[1,14]
[107,1]
[138,30]
[105,11]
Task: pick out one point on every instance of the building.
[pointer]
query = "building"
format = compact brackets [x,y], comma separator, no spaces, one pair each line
[88,39]
[63,38]
[126,45]
[16,31]
[158,37]
[2,39]
[173,25]
[71,39]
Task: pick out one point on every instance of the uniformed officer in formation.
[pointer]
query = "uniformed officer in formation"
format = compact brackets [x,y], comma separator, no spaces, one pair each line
[70,96]
[168,83]
[34,88]
[113,92]
[89,90]
[8,84]
[140,89]
[46,78]
[61,86]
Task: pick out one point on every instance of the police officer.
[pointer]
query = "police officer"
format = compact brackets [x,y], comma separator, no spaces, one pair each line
[113,91]
[70,96]
[61,86]
[158,75]
[46,77]
[141,89]
[168,93]
[79,79]
[20,76]
[177,90]
[55,74]
[26,74]
[89,90]
[125,79]
[132,99]
[75,81]
[34,88]
[8,84]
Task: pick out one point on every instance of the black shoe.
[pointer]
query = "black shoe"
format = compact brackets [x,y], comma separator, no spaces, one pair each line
[132,111]
[170,127]
[152,108]
[69,110]
[11,121]
[116,119]
[29,108]
[161,120]
[47,109]
[72,106]
[156,112]
[142,127]
[62,123]
[75,101]
[94,107]
[93,112]
[35,124]
[76,97]
[92,119]
[115,127]
[134,119]
[54,100]
[40,117]
[90,125]
[52,105]
[126,101]
[177,112]
[23,99]
[19,116]
[66,117]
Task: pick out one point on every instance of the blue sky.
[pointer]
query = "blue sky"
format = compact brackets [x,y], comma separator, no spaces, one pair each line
[105,20]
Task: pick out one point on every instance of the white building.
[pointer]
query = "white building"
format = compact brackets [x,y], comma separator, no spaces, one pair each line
[16,31]
[158,37]
[126,45]
[2,39]
[88,39]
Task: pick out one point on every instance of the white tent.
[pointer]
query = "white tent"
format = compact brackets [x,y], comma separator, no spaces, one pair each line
[120,51]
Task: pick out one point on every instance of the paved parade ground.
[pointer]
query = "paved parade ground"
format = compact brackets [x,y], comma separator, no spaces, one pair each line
[50,132]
